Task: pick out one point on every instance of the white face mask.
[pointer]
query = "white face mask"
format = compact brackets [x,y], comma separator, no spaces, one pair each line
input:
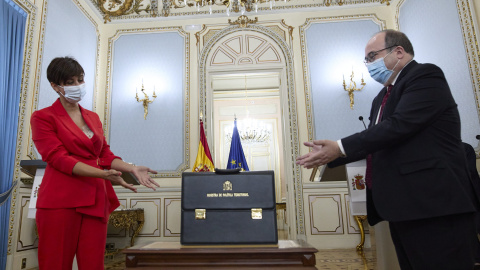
[73,93]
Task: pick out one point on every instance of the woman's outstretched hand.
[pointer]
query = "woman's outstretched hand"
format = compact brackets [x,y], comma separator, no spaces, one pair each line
[141,173]
[115,177]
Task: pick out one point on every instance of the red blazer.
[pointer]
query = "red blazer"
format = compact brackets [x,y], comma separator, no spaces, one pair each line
[62,144]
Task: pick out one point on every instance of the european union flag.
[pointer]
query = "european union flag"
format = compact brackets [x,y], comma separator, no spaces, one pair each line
[236,158]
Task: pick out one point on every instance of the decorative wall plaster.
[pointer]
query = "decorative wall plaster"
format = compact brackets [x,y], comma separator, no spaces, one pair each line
[171,217]
[209,35]
[245,61]
[467,19]
[254,44]
[235,50]
[27,238]
[268,55]
[235,44]
[152,210]
[319,203]
[222,57]
[292,5]
[278,30]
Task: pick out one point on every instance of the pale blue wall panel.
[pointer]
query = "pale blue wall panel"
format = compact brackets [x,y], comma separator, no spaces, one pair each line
[157,59]
[434,29]
[68,33]
[333,49]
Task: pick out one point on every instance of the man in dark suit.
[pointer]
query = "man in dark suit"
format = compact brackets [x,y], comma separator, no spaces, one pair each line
[417,175]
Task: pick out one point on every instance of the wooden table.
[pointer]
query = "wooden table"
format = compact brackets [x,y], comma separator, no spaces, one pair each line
[289,254]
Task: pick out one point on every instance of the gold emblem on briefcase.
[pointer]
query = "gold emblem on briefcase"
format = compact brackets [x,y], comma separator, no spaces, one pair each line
[227,185]
[200,213]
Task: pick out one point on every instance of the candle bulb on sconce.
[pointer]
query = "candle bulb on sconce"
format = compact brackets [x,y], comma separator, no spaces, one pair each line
[352,87]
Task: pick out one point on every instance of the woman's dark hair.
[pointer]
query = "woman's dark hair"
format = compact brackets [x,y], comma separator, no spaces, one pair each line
[397,38]
[63,68]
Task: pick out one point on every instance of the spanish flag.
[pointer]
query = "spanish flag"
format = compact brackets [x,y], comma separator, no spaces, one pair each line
[204,161]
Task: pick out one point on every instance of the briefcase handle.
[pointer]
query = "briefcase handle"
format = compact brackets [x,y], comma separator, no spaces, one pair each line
[227,171]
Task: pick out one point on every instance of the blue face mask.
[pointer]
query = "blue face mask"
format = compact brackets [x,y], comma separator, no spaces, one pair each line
[378,71]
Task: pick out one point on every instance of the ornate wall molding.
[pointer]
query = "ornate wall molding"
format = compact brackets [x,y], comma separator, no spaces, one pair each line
[152,206]
[306,74]
[31,11]
[207,49]
[320,225]
[397,14]
[186,139]
[118,8]
[142,9]
[171,226]
[470,38]
[27,238]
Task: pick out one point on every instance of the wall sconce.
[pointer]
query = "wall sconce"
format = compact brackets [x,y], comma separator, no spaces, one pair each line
[145,100]
[352,87]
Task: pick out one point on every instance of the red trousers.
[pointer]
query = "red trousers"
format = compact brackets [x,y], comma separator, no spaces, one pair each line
[64,233]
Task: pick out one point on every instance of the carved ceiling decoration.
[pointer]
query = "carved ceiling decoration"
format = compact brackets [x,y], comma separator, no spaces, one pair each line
[147,9]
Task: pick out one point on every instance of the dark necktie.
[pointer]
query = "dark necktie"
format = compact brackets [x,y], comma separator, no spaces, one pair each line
[368,172]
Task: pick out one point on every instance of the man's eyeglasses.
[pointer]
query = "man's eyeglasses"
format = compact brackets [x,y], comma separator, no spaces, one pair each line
[371,55]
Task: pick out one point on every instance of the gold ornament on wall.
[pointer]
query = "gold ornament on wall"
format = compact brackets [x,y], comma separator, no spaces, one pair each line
[352,87]
[145,101]
[243,21]
[154,8]
[112,8]
[237,6]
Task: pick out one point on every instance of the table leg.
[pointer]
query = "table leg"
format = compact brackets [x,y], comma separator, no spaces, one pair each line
[136,232]
[359,220]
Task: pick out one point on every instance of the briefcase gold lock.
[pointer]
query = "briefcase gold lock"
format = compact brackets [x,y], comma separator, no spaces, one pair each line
[200,213]
[256,213]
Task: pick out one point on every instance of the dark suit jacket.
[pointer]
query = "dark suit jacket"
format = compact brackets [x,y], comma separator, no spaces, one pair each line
[418,161]
[62,144]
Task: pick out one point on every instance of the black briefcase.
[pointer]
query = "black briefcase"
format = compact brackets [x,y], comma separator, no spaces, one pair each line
[226,208]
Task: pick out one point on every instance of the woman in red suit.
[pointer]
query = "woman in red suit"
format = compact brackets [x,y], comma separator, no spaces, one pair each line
[76,196]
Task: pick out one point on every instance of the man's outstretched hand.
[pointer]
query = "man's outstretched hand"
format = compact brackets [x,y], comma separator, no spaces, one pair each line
[322,152]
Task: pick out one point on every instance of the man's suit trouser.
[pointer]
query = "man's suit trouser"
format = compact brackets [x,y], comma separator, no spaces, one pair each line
[438,243]
[64,233]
